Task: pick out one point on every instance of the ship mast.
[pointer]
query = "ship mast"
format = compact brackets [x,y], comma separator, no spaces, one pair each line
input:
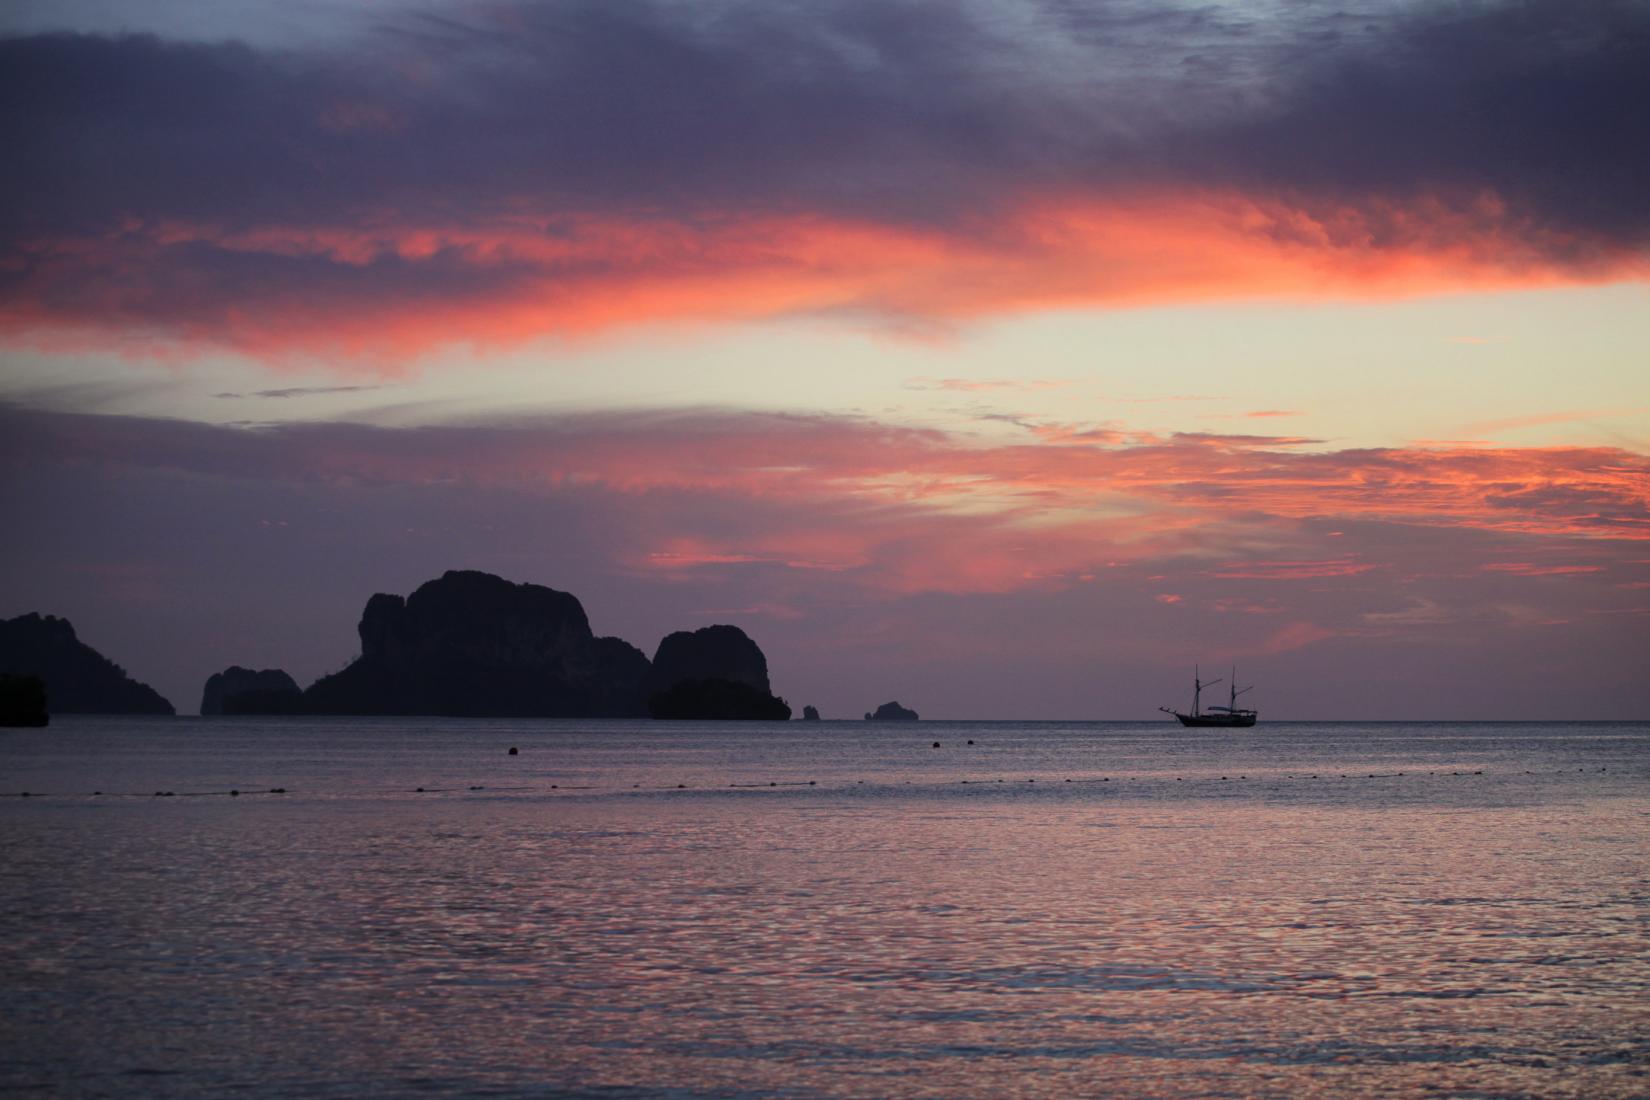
[1197,690]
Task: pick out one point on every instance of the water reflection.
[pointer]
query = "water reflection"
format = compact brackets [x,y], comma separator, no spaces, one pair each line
[834,942]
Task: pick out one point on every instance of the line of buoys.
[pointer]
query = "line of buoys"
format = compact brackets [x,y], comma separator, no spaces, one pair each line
[774,784]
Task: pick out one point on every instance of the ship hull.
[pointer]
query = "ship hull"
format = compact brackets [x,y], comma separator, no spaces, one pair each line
[1222,720]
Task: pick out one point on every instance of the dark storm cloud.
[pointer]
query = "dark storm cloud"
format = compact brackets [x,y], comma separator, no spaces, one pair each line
[1540,101]
[904,111]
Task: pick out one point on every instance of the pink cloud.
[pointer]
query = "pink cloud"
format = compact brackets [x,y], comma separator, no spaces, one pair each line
[1492,427]
[1296,635]
[898,509]
[1534,569]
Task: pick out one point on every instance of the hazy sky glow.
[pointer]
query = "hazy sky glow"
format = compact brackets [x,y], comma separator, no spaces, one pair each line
[1004,358]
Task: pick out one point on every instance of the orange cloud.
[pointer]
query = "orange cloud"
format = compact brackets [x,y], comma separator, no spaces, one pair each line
[386,289]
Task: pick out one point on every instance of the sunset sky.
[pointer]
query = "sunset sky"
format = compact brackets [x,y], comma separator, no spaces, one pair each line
[1001,357]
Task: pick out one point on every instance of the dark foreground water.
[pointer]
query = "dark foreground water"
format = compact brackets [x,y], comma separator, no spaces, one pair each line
[836,909]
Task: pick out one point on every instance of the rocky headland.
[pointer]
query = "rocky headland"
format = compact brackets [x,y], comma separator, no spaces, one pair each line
[77,678]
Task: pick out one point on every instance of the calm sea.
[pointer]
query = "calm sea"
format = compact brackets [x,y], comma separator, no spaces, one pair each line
[835,909]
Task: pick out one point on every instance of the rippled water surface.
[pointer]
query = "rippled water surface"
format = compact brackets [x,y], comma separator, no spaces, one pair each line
[832,909]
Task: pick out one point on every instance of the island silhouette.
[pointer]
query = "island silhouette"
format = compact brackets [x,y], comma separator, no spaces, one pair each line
[467,644]
[472,644]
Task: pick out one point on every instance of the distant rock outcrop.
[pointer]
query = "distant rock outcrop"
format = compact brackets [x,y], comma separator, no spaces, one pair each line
[472,644]
[238,690]
[78,679]
[23,701]
[892,712]
[715,672]
[810,714]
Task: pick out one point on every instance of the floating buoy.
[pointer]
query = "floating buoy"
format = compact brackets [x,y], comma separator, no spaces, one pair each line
[936,744]
[234,794]
[970,740]
[514,751]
